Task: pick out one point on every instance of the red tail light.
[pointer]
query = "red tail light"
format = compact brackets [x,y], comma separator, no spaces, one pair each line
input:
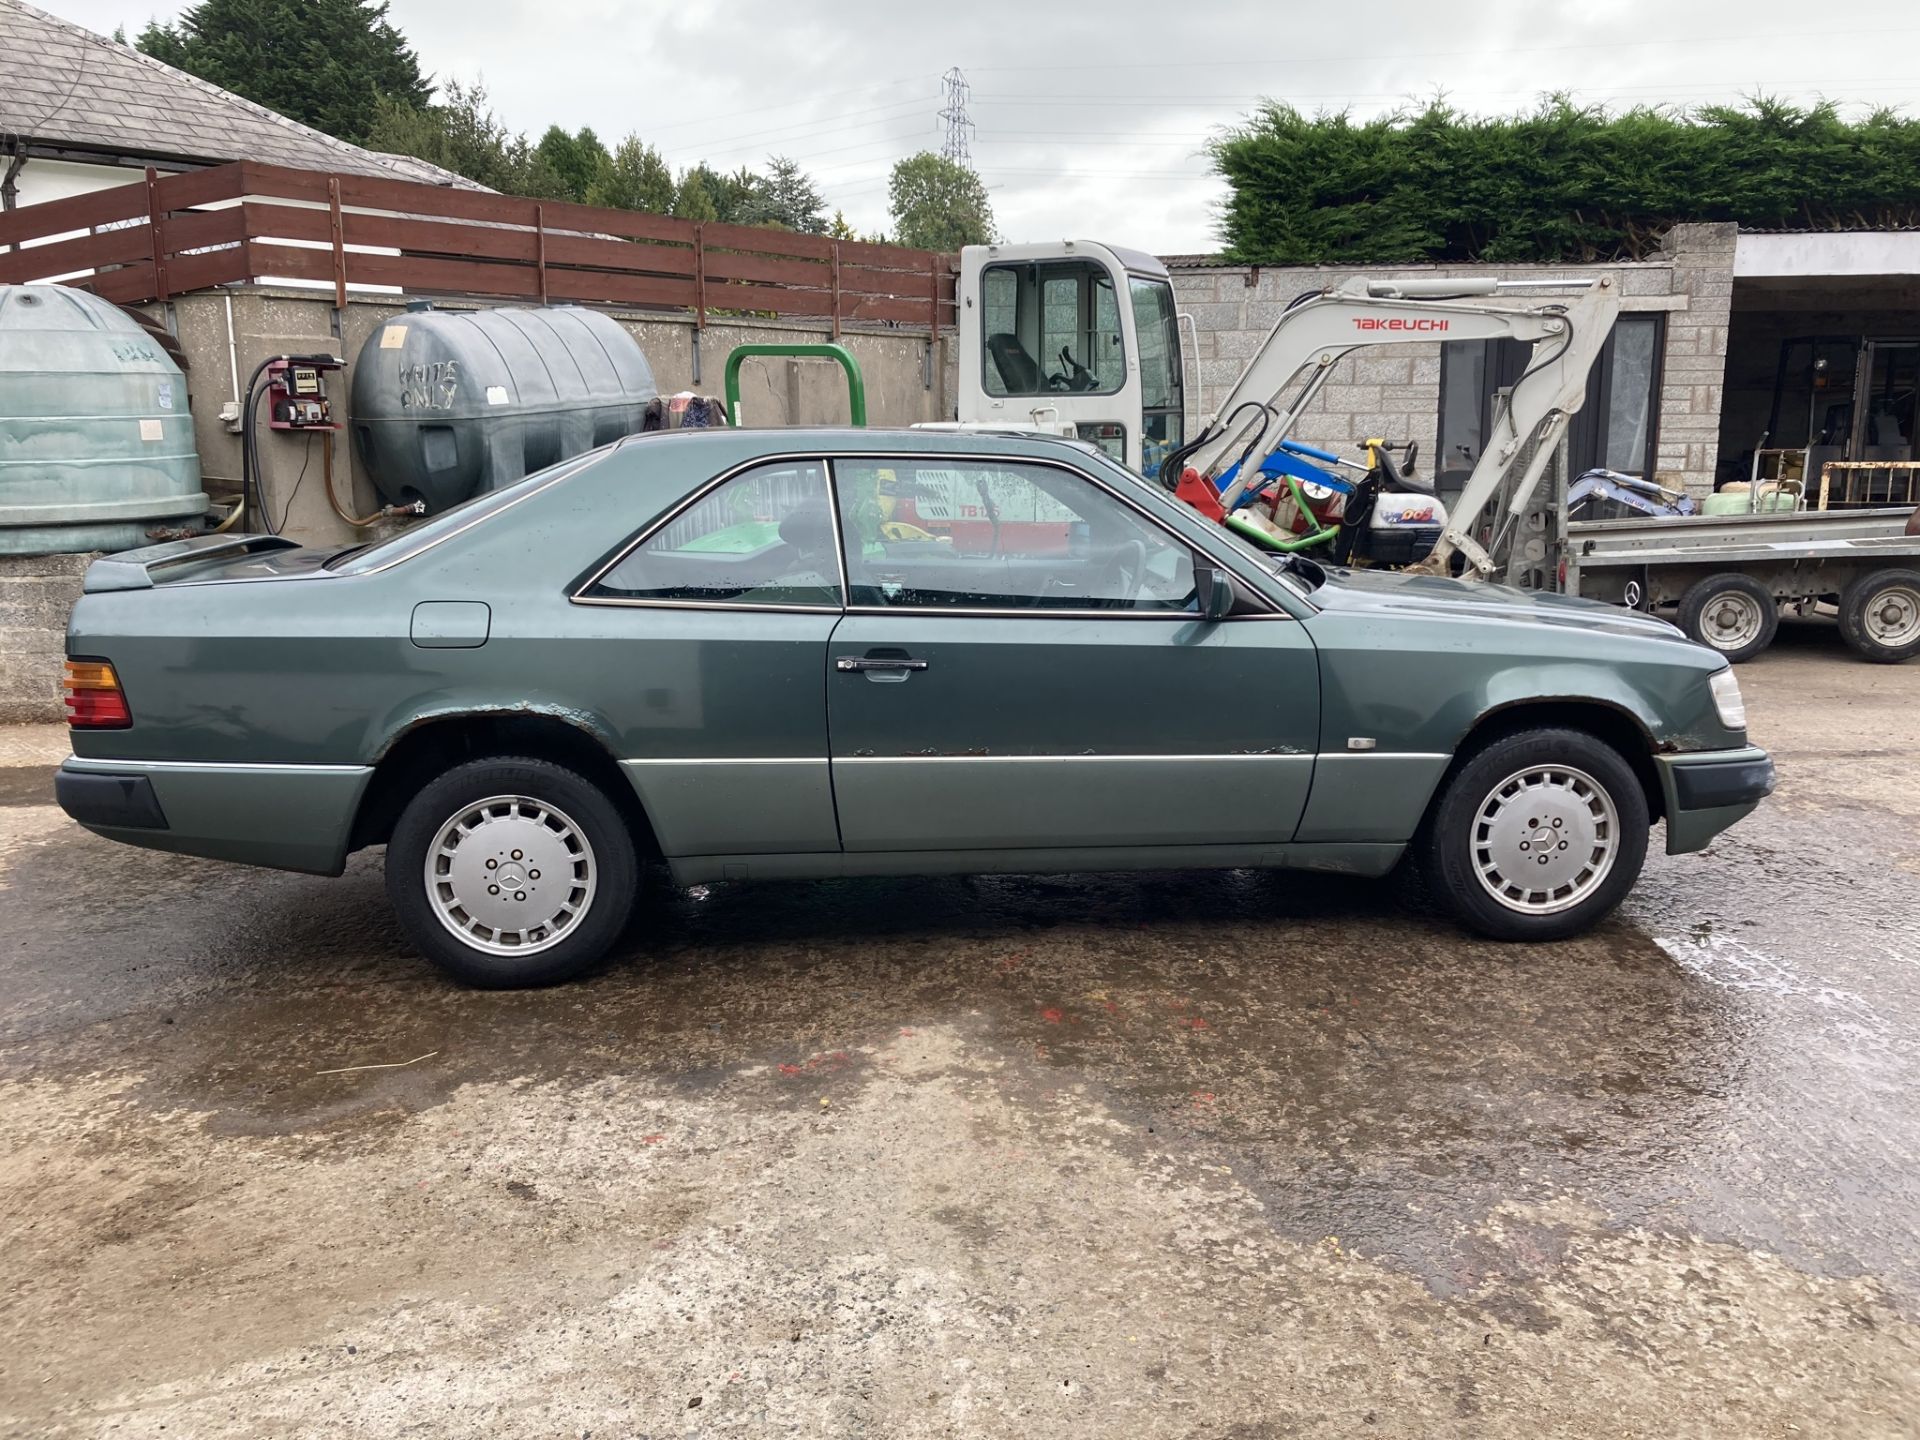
[94,698]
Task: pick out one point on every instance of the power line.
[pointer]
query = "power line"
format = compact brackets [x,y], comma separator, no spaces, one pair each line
[834,125]
[954,115]
[1665,42]
[812,98]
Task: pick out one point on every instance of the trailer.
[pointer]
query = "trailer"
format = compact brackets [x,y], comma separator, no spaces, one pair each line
[1726,577]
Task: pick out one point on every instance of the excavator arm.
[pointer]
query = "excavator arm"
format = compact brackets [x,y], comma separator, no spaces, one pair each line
[1320,330]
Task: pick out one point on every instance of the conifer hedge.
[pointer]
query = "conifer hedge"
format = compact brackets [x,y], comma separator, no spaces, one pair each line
[1561,182]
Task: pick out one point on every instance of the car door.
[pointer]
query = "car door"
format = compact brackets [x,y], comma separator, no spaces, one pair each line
[1023,665]
[709,632]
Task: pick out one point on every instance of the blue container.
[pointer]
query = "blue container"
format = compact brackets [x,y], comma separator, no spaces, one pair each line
[96,445]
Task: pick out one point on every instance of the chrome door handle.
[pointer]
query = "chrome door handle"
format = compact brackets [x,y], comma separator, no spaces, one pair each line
[862,662]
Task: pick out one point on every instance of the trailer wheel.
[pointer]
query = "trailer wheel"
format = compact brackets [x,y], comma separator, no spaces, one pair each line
[1732,613]
[1880,615]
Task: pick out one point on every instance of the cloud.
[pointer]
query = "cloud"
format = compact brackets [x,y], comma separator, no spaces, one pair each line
[1091,120]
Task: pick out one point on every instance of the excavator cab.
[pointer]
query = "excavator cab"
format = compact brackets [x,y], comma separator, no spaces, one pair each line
[1075,338]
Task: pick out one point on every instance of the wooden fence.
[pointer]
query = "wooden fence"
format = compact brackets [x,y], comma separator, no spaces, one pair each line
[245,222]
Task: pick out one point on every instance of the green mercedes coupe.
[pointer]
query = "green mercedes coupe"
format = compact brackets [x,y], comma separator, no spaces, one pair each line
[796,653]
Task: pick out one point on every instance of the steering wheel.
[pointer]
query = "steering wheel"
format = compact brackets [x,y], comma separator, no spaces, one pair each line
[1129,565]
[992,509]
[1075,377]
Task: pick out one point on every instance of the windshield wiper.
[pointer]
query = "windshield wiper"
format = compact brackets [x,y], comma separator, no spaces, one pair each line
[347,554]
[1309,572]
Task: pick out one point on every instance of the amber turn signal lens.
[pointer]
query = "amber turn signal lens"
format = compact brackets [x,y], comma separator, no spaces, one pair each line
[94,698]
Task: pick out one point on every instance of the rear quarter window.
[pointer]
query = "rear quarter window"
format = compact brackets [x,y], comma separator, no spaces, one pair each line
[467,513]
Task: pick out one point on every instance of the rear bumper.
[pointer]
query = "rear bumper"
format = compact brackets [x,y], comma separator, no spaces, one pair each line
[1708,790]
[285,817]
[113,802]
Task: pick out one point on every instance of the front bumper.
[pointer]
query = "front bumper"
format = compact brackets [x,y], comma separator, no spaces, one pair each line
[285,817]
[1708,790]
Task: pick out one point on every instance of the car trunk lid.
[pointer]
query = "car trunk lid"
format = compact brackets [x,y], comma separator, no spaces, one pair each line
[204,557]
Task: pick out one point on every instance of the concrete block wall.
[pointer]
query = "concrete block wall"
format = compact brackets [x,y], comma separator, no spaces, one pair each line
[1395,391]
[268,321]
[37,592]
[1693,382]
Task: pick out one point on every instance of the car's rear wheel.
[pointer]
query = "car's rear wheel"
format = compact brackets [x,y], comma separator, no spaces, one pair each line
[511,872]
[1538,835]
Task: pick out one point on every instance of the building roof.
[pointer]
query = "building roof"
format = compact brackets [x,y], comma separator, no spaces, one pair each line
[61,85]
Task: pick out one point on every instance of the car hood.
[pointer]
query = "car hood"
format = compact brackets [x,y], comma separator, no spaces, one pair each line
[1356,591]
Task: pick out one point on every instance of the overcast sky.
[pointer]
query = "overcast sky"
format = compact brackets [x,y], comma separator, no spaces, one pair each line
[1090,119]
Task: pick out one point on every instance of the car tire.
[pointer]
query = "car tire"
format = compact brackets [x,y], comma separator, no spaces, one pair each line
[1880,616]
[1553,792]
[1731,613]
[512,872]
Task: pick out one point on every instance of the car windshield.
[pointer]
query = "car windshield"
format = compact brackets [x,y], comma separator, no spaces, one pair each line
[362,559]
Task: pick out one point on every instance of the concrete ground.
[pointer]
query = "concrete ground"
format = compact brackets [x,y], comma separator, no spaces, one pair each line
[1183,1155]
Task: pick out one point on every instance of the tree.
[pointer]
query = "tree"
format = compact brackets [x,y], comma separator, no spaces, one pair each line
[325,63]
[579,161]
[840,229]
[691,200]
[1556,183]
[938,204]
[731,196]
[785,198]
[636,179]
[462,134]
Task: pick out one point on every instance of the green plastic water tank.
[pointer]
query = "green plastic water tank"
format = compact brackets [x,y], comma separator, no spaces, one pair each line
[96,446]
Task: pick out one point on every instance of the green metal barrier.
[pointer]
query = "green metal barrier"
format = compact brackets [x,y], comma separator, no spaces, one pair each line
[856,387]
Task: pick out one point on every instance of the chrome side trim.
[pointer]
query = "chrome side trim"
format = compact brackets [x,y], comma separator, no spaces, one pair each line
[831,465]
[1190,616]
[1051,759]
[757,606]
[631,603]
[949,759]
[225,767]
[723,760]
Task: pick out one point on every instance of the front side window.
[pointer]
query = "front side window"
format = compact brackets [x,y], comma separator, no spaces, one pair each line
[945,534]
[1052,327]
[765,537]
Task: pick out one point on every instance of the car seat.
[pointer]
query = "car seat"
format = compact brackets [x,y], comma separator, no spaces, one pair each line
[1018,371]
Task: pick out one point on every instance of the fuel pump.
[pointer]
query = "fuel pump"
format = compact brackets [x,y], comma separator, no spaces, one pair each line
[297,392]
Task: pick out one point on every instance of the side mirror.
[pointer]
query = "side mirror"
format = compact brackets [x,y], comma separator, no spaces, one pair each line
[1216,591]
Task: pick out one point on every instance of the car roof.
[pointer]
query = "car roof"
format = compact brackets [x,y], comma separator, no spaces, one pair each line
[856,438]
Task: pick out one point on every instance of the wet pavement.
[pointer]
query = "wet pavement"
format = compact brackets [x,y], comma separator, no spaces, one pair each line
[1202,1155]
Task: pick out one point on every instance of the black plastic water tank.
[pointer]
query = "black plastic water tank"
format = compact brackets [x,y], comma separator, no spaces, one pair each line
[448,403]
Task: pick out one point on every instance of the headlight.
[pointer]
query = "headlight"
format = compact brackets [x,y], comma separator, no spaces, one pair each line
[1726,699]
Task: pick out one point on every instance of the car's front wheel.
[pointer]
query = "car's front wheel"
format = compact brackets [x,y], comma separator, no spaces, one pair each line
[1538,835]
[511,872]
